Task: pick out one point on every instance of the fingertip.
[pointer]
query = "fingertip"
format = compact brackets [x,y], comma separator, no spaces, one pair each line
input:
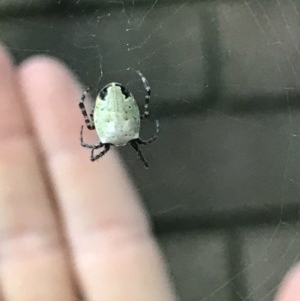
[47,72]
[13,121]
[38,61]
[290,288]
[51,92]
[6,60]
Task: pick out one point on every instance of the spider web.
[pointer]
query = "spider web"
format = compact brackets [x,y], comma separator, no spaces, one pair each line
[223,185]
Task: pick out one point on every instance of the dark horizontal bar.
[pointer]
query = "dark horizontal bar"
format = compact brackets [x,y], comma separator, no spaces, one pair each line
[231,105]
[225,220]
[78,7]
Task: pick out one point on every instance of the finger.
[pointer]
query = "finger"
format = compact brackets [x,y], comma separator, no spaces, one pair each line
[31,259]
[290,288]
[116,257]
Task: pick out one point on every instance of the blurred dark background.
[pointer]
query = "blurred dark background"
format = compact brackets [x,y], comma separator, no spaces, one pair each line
[224,184]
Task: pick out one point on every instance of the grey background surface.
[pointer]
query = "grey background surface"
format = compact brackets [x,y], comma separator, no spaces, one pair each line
[224,184]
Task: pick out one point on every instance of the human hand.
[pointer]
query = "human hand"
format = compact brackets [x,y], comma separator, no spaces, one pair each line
[68,227]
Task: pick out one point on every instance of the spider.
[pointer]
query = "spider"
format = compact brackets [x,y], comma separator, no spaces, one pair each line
[116,119]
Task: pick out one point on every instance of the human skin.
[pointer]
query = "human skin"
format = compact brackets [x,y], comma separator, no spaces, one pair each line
[290,287]
[70,227]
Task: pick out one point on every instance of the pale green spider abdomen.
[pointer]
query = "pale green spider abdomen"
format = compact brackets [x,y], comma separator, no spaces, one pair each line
[116,119]
[116,115]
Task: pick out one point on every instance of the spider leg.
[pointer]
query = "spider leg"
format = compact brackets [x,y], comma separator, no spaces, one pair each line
[89,123]
[134,144]
[148,141]
[95,146]
[101,154]
[147,96]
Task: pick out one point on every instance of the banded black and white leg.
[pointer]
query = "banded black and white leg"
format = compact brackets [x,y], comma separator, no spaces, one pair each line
[135,145]
[93,147]
[147,87]
[136,142]
[150,140]
[88,145]
[101,154]
[89,121]
[146,107]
